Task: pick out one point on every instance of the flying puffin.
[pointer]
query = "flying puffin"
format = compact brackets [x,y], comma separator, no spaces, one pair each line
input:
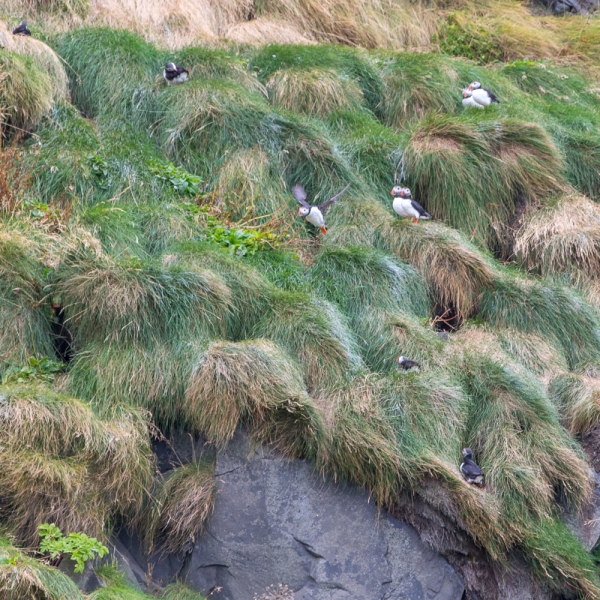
[174,74]
[479,96]
[405,206]
[406,364]
[314,214]
[471,471]
[21,29]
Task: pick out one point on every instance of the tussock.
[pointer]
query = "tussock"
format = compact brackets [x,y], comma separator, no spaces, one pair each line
[65,465]
[503,160]
[563,238]
[183,501]
[456,272]
[24,577]
[578,400]
[314,333]
[118,300]
[253,382]
[317,92]
[26,93]
[263,30]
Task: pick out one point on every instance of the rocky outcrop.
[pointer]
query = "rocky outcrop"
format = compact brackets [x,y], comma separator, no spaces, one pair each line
[278,522]
[571,6]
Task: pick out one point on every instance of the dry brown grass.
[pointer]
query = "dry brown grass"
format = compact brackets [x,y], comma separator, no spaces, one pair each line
[263,30]
[563,238]
[317,92]
[256,383]
[183,503]
[455,270]
[578,398]
[43,55]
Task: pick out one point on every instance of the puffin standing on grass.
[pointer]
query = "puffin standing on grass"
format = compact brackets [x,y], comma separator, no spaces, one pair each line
[405,206]
[314,214]
[21,29]
[470,470]
[406,364]
[174,75]
[480,97]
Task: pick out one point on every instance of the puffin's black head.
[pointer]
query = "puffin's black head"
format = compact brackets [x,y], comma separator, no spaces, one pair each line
[467,453]
[170,66]
[474,86]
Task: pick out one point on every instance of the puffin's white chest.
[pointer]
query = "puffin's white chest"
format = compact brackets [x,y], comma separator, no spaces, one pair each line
[315,217]
[181,78]
[481,97]
[470,102]
[404,207]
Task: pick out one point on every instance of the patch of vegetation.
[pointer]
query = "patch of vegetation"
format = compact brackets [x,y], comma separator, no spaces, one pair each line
[182,181]
[77,546]
[37,369]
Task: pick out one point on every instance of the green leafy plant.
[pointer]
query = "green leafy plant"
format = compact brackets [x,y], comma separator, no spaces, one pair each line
[179,178]
[242,242]
[470,42]
[99,168]
[40,211]
[36,369]
[78,546]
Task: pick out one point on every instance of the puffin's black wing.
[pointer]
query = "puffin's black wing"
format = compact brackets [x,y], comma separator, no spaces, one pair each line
[325,205]
[492,96]
[470,469]
[410,364]
[422,212]
[181,70]
[300,194]
[21,29]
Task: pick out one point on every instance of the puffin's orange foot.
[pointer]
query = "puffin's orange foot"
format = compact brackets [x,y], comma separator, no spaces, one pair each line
[323,229]
[415,221]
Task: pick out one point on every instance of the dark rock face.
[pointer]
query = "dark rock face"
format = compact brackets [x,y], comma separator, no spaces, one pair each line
[571,6]
[278,522]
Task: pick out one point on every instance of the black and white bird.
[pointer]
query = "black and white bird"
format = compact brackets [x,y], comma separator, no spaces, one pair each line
[174,75]
[314,214]
[406,364]
[21,29]
[475,95]
[470,470]
[405,206]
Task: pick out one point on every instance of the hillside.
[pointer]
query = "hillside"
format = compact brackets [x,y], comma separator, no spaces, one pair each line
[155,277]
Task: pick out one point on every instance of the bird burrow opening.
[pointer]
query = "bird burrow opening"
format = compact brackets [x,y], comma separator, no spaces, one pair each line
[446,318]
[62,339]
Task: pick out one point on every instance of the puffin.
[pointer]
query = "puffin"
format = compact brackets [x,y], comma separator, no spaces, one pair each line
[314,214]
[480,96]
[468,101]
[21,29]
[470,470]
[406,364]
[174,75]
[405,206]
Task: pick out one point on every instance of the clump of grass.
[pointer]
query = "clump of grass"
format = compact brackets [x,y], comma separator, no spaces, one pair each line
[562,238]
[317,92]
[481,160]
[457,273]
[253,382]
[180,591]
[314,333]
[350,65]
[153,378]
[131,300]
[96,57]
[554,312]
[183,502]
[416,84]
[25,328]
[26,94]
[578,400]
[65,465]
[24,577]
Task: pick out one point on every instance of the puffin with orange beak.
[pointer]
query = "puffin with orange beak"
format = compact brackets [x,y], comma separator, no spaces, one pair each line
[405,206]
[315,215]
[175,75]
[475,95]
[470,469]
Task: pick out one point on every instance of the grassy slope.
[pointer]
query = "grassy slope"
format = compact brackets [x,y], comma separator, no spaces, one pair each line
[299,341]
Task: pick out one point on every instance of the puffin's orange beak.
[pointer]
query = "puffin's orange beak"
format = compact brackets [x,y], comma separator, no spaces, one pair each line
[464,94]
[392,192]
[397,358]
[299,212]
[469,87]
